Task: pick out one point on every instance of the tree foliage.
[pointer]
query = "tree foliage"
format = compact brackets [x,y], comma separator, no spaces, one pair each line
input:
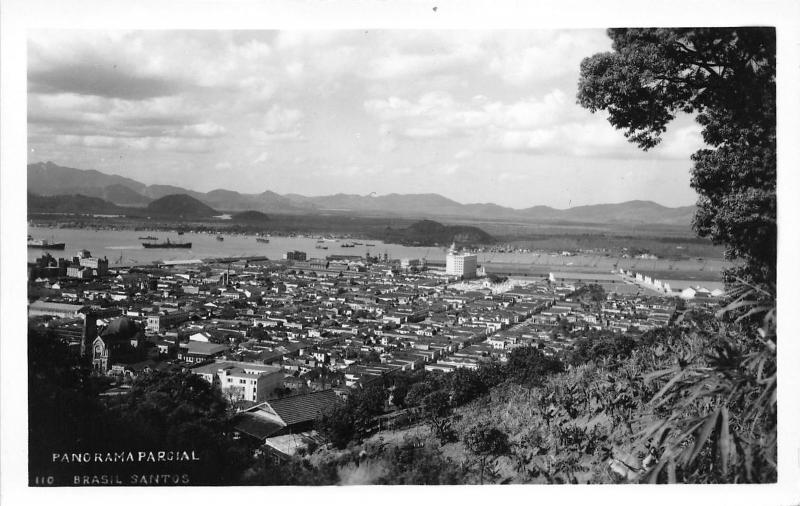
[530,366]
[486,442]
[353,419]
[726,77]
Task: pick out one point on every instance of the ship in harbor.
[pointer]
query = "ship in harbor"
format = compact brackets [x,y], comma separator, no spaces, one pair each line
[148,238]
[44,244]
[167,244]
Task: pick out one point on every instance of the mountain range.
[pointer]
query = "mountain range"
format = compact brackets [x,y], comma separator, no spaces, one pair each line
[50,179]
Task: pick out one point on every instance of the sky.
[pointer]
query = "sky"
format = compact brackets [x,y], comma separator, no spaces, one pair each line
[476,116]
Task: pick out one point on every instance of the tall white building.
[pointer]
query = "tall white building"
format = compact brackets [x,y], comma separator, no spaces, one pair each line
[462,265]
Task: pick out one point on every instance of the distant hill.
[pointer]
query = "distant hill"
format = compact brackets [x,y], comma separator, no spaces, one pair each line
[250,217]
[157,191]
[71,204]
[51,179]
[47,178]
[432,233]
[122,195]
[180,206]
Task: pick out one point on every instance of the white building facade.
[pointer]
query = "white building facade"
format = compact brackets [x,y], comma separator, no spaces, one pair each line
[465,265]
[243,380]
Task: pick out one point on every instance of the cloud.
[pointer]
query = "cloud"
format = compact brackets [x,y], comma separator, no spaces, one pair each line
[279,123]
[591,138]
[543,55]
[551,124]
[173,144]
[103,80]
[263,157]
[206,129]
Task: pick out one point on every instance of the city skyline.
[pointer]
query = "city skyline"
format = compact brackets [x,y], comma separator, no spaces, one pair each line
[357,112]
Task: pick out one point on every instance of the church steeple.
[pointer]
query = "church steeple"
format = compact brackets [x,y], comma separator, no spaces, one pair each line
[89,332]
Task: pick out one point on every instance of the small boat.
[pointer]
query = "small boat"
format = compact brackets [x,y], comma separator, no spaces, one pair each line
[180,233]
[220,238]
[148,238]
[44,244]
[167,244]
[263,239]
[370,244]
[348,245]
[321,247]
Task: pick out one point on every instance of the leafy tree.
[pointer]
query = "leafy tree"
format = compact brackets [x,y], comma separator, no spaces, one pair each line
[718,406]
[726,77]
[352,420]
[419,390]
[529,366]
[466,385]
[486,442]
[606,344]
[436,409]
[336,425]
[403,382]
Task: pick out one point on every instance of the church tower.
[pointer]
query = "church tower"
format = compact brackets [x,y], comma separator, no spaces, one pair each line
[89,332]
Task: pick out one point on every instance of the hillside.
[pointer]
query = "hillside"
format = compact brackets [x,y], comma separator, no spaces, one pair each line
[71,204]
[615,408]
[432,233]
[122,195]
[180,206]
[48,178]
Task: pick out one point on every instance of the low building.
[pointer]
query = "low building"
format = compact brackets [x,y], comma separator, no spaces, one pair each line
[165,320]
[57,309]
[289,415]
[242,380]
[198,351]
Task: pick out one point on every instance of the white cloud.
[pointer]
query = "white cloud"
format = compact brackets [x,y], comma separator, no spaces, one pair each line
[550,124]
[544,55]
[279,123]
[167,144]
[206,129]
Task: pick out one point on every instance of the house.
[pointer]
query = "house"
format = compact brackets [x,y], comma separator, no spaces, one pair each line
[289,415]
[198,351]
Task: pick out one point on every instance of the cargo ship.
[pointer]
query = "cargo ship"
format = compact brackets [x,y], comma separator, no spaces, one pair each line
[167,244]
[44,244]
